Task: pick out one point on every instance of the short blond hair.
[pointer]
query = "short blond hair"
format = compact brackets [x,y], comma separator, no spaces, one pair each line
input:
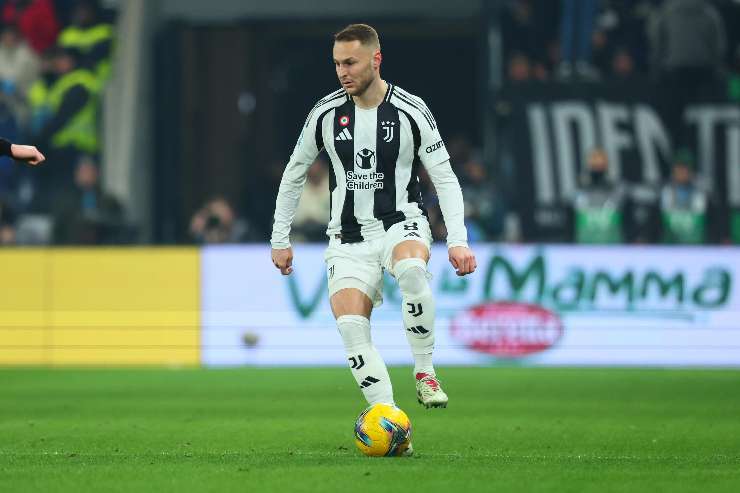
[363,33]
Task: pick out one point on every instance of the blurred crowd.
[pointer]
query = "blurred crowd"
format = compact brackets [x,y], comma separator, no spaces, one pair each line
[55,60]
[619,39]
[689,49]
[686,46]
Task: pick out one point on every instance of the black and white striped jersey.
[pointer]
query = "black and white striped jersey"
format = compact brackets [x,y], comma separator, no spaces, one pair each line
[375,156]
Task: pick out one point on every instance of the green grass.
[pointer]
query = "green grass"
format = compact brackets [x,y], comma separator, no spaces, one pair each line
[270,430]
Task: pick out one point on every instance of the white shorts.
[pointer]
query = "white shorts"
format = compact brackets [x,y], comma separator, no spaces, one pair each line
[361,265]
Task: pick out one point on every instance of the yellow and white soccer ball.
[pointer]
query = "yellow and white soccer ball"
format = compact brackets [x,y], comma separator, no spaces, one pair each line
[383,430]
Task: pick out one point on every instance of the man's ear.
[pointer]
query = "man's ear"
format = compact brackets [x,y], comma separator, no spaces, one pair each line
[377,58]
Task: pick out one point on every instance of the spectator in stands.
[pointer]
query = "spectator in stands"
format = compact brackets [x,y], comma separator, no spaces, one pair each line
[87,215]
[733,84]
[217,222]
[71,131]
[684,204]
[623,65]
[688,40]
[599,206]
[9,127]
[484,208]
[38,94]
[312,215]
[91,36]
[36,19]
[19,65]
[621,24]
[528,33]
[577,26]
[687,50]
[520,69]
[7,223]
[431,203]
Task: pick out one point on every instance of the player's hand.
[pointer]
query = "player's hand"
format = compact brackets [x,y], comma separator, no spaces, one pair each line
[29,154]
[283,259]
[463,260]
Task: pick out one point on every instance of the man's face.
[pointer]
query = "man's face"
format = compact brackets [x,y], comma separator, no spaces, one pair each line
[9,38]
[86,175]
[681,174]
[354,64]
[62,64]
[598,161]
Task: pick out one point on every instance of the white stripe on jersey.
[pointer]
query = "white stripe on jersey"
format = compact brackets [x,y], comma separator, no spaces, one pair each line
[403,173]
[366,133]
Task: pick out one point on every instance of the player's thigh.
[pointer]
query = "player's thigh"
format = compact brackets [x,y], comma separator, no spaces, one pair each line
[350,301]
[353,270]
[411,238]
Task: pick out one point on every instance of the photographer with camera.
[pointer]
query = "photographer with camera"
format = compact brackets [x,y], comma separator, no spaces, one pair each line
[216,222]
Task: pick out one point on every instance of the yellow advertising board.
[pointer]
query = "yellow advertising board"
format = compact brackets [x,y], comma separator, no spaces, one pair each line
[100,306]
[24,306]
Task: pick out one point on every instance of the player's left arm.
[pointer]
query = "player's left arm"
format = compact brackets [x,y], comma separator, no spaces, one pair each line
[453,211]
[436,160]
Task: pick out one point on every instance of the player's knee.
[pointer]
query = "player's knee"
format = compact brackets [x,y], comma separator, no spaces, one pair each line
[412,277]
[355,331]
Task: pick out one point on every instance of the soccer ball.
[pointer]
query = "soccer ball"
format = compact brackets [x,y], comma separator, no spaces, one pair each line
[382,430]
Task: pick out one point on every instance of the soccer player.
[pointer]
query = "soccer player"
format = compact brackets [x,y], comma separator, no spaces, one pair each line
[29,154]
[376,135]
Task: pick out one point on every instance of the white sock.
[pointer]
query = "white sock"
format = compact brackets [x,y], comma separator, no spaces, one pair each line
[365,362]
[418,311]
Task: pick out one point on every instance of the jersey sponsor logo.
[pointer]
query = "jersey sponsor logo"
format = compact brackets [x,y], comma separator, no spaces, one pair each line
[344,135]
[388,127]
[344,120]
[365,159]
[435,146]
[365,181]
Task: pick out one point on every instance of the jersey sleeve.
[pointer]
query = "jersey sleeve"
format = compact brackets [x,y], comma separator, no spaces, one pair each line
[5,147]
[432,150]
[450,203]
[293,180]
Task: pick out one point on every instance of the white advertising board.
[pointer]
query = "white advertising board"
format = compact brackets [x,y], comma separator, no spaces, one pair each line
[535,305]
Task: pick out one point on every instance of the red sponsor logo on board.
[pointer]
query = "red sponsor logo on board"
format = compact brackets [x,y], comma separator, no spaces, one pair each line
[507,329]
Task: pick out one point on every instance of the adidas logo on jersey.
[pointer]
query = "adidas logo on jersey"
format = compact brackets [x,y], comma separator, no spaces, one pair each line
[344,135]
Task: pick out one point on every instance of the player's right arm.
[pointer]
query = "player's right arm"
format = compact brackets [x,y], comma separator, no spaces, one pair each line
[289,194]
[29,154]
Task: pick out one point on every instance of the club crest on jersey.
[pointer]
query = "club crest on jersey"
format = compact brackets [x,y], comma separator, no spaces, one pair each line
[365,159]
[344,120]
[388,127]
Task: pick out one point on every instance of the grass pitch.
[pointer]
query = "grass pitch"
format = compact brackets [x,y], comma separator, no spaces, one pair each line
[563,430]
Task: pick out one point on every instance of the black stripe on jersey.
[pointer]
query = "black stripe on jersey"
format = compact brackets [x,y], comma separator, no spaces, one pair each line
[389,92]
[416,105]
[319,135]
[332,176]
[351,229]
[420,104]
[331,97]
[413,188]
[387,145]
[327,98]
